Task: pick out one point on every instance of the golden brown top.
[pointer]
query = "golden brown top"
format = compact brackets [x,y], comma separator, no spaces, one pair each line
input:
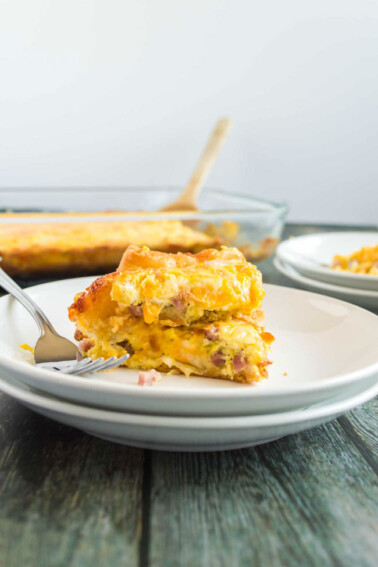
[144,258]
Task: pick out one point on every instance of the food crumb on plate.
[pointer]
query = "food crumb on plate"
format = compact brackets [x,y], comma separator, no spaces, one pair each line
[148,377]
[25,353]
[285,373]
[27,347]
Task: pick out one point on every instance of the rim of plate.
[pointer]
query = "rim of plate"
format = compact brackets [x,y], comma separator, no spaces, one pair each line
[287,255]
[19,392]
[130,389]
[286,268]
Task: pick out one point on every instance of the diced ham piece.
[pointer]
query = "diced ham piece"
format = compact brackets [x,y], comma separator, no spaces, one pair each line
[240,362]
[148,377]
[211,333]
[179,301]
[136,310]
[218,358]
[85,345]
[78,336]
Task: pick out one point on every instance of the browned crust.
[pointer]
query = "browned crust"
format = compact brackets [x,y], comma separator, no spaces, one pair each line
[86,298]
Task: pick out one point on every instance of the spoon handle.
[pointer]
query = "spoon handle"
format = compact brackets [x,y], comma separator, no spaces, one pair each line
[207,160]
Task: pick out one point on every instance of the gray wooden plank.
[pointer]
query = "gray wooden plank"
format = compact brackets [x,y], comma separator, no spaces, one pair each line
[65,498]
[309,499]
[361,425]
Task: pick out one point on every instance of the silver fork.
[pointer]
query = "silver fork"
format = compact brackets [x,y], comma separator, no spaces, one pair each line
[53,351]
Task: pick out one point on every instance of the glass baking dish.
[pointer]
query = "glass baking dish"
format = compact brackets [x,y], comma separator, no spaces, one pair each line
[253,225]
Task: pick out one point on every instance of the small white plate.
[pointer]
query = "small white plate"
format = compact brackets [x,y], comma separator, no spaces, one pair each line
[307,254]
[363,298]
[185,433]
[323,347]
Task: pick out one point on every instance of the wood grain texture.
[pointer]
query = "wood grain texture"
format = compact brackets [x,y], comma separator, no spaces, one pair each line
[361,426]
[66,499]
[309,499]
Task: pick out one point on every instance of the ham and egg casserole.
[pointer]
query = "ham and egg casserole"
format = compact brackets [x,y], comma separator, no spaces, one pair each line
[193,313]
[364,261]
[34,249]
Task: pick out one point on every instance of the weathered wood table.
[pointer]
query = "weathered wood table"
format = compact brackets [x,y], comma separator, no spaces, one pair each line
[70,500]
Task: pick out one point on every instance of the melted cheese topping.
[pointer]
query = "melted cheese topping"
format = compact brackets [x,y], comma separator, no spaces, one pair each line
[217,280]
[79,235]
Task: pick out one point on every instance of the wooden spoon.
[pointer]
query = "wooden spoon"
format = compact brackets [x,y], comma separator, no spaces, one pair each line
[188,198]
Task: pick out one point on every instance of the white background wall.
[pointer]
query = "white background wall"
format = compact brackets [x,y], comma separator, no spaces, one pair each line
[124,92]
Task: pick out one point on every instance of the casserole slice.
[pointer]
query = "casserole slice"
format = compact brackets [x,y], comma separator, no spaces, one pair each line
[219,333]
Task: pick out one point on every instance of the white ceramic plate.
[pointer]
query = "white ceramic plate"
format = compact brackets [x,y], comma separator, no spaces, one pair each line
[363,298]
[307,253]
[325,347]
[184,433]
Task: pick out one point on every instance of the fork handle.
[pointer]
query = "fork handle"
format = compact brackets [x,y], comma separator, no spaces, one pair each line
[11,287]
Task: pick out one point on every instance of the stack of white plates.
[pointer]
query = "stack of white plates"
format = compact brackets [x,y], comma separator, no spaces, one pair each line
[305,260]
[325,362]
